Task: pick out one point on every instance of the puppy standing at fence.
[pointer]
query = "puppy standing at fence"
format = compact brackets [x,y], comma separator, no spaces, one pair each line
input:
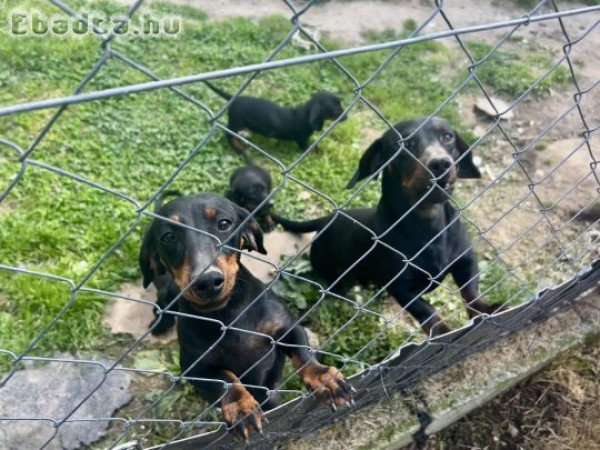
[421,238]
[218,292]
[271,120]
[249,187]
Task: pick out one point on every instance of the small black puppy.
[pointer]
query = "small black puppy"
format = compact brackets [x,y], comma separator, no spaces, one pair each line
[269,119]
[249,186]
[415,237]
[234,332]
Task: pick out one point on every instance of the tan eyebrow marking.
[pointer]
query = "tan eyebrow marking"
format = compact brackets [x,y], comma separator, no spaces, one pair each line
[210,213]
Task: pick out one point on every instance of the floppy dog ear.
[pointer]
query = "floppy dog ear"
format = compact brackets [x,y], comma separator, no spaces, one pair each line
[369,163]
[150,263]
[466,166]
[251,236]
[316,117]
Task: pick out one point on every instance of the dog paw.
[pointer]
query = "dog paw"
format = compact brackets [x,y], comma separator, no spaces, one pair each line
[475,310]
[328,384]
[477,307]
[497,307]
[242,412]
[437,329]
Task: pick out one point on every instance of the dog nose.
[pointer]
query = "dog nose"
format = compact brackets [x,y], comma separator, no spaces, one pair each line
[209,284]
[439,166]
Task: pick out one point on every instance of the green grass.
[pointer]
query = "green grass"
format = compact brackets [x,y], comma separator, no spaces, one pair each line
[508,73]
[132,144]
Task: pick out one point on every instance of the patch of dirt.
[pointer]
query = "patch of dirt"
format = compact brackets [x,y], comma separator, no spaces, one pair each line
[134,317]
[278,244]
[555,409]
[6,208]
[528,205]
[565,177]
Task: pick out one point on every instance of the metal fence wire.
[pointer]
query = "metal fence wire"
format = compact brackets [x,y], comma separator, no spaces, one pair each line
[564,247]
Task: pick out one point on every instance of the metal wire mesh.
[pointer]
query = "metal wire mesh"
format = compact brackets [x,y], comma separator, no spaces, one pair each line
[566,247]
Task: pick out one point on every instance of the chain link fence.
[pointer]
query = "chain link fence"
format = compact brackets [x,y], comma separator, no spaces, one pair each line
[540,239]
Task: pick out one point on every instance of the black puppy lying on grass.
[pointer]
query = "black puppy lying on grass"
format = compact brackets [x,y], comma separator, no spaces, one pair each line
[249,186]
[269,119]
[420,238]
[231,328]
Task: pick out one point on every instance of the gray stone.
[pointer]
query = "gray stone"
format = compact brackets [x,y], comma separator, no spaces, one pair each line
[484,106]
[40,395]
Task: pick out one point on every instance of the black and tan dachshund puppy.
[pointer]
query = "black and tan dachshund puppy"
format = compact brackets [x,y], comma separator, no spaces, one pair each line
[231,328]
[420,236]
[271,120]
[249,187]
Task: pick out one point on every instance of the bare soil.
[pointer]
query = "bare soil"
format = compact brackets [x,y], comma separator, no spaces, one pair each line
[558,408]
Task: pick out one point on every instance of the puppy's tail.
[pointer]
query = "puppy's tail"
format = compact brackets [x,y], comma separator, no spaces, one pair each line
[302,227]
[163,196]
[220,92]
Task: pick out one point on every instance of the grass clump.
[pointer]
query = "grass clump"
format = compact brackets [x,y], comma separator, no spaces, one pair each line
[508,73]
[553,409]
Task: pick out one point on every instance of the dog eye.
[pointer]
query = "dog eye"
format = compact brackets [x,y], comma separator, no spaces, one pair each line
[167,238]
[447,138]
[409,144]
[224,224]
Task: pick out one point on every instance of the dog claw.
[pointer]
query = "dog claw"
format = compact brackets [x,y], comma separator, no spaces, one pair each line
[333,407]
[352,403]
[354,391]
